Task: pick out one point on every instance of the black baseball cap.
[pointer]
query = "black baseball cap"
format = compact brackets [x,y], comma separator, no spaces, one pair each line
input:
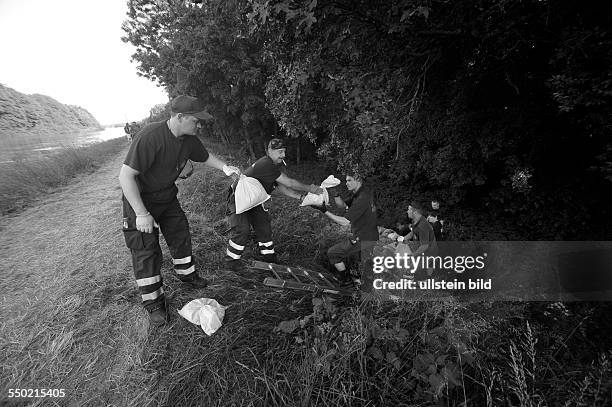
[191,106]
[276,144]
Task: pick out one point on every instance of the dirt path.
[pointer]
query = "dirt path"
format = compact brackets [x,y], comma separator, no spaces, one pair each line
[72,232]
[69,317]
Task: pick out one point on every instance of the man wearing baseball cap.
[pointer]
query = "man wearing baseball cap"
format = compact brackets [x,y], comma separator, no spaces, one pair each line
[267,170]
[154,161]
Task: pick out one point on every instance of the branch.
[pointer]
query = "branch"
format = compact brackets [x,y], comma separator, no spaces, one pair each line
[440,33]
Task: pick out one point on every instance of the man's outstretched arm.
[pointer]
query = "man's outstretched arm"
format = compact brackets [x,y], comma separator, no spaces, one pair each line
[297,185]
[215,162]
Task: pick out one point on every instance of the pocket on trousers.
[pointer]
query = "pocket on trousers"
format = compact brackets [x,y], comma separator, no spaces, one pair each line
[133,239]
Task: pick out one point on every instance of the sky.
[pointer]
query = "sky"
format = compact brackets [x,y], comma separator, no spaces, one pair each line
[72,51]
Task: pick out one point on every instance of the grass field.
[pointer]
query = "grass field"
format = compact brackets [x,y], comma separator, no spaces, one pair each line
[71,319]
[26,180]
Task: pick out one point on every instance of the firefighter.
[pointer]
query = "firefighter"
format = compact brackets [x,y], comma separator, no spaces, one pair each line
[128,132]
[267,170]
[360,214]
[153,163]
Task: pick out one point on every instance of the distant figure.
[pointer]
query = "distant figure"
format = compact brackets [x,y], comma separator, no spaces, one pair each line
[435,219]
[134,129]
[128,132]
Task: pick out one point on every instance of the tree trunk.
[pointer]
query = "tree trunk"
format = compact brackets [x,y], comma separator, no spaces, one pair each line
[249,144]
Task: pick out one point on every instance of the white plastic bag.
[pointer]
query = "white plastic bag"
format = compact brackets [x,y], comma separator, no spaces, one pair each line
[205,312]
[318,199]
[248,194]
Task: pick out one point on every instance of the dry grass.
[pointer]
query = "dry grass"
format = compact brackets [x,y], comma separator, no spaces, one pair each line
[25,180]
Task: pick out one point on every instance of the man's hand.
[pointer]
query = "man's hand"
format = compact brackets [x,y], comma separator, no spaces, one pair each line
[145,223]
[321,207]
[385,232]
[315,189]
[229,170]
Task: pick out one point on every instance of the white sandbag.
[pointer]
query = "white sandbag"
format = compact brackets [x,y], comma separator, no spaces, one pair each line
[318,199]
[206,312]
[248,194]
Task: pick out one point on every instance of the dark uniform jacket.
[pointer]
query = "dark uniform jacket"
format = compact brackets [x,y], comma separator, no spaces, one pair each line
[159,157]
[362,215]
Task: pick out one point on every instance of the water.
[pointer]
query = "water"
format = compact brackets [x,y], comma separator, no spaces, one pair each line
[36,147]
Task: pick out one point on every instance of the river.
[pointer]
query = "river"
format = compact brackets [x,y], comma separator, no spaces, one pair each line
[37,147]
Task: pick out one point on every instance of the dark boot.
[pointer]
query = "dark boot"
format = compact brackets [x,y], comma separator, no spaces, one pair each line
[158,314]
[234,265]
[195,281]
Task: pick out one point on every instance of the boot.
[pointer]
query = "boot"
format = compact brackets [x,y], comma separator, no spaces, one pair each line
[195,281]
[157,314]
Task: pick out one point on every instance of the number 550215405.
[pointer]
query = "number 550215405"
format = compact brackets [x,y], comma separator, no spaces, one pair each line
[36,393]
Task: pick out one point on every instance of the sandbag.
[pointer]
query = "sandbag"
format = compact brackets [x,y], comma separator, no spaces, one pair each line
[319,199]
[206,312]
[248,194]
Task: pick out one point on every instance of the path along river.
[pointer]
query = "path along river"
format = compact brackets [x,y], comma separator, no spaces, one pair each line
[36,147]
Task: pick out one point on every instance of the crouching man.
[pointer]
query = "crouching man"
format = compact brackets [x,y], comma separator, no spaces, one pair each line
[360,214]
[153,163]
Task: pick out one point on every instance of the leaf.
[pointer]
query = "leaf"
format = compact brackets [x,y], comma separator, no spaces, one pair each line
[394,360]
[451,373]
[467,357]
[423,361]
[287,326]
[376,353]
[424,11]
[437,382]
[403,334]
[284,7]
[308,21]
[441,359]
[304,321]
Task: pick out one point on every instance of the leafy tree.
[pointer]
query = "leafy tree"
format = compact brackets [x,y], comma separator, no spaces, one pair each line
[201,48]
[498,105]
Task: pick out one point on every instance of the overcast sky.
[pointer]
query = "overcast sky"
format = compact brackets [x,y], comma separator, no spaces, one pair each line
[72,51]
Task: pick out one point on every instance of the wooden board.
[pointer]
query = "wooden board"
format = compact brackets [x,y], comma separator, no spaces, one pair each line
[299,278]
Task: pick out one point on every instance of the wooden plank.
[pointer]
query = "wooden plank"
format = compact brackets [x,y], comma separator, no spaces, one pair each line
[279,268]
[316,281]
[308,275]
[272,282]
[274,268]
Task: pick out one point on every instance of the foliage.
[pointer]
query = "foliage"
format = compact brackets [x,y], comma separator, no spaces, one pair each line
[425,97]
[202,49]
[448,353]
[27,115]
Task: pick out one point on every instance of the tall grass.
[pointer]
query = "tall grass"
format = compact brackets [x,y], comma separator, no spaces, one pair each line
[25,180]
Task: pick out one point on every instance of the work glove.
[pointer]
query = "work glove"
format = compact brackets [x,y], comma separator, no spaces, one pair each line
[229,170]
[145,223]
[321,207]
[315,189]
